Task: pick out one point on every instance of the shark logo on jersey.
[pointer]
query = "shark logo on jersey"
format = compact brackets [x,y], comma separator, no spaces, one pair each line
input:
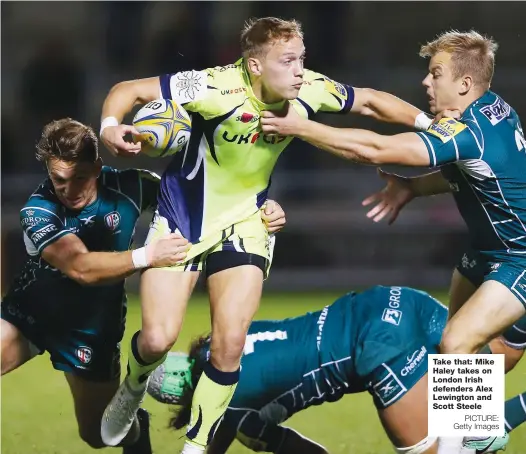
[446,129]
[112,220]
[497,112]
[392,316]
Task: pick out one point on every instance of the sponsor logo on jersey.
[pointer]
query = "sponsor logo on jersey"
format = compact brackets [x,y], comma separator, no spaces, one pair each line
[413,361]
[246,117]
[497,112]
[495,267]
[89,220]
[37,236]
[251,138]
[389,388]
[392,316]
[32,221]
[466,263]
[233,91]
[112,220]
[84,354]
[30,212]
[321,323]
[335,88]
[446,129]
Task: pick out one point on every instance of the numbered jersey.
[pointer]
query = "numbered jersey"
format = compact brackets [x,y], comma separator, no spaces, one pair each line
[289,365]
[224,174]
[483,155]
[107,224]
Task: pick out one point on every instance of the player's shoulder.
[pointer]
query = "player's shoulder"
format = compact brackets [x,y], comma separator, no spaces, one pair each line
[227,87]
[115,178]
[209,92]
[42,199]
[315,81]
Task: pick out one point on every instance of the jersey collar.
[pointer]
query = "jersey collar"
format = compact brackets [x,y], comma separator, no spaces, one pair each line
[257,102]
[484,99]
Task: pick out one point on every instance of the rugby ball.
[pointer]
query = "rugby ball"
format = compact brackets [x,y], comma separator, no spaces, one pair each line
[164,128]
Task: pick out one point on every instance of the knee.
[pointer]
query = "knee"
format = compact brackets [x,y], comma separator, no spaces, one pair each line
[91,436]
[229,345]
[157,342]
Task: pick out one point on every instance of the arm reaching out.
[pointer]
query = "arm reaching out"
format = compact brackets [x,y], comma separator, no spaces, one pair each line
[388,108]
[70,255]
[399,191]
[356,145]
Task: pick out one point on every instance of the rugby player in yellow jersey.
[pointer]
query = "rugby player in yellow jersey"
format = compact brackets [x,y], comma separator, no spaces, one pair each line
[211,193]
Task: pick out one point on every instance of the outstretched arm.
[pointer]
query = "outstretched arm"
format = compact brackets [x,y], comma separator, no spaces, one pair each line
[388,108]
[357,145]
[70,255]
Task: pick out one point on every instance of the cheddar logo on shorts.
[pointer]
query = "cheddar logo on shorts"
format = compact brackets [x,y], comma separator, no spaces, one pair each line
[446,129]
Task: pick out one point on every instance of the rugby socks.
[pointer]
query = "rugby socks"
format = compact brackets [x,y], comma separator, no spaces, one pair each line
[138,369]
[212,395]
[515,412]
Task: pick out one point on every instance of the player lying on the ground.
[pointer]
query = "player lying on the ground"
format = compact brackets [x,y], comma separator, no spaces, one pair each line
[70,298]
[375,341]
[483,157]
[212,194]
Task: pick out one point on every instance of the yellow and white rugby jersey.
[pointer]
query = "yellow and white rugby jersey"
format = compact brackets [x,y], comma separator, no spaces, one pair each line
[223,176]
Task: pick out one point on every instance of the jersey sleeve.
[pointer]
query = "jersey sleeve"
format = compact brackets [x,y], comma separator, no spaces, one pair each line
[149,182]
[321,94]
[450,140]
[515,336]
[253,432]
[41,224]
[187,88]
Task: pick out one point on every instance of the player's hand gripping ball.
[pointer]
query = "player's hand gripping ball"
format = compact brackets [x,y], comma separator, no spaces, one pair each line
[164,128]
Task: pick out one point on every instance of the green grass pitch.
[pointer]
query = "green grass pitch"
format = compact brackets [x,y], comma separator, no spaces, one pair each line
[37,410]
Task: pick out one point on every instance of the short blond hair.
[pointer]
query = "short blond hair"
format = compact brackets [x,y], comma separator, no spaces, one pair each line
[257,34]
[471,53]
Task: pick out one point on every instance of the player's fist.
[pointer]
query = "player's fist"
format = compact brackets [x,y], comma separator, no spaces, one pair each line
[113,139]
[273,216]
[448,113]
[391,199]
[286,122]
[167,251]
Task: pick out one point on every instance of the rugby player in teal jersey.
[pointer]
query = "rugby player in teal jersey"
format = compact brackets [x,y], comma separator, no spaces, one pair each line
[211,193]
[482,156]
[376,341]
[69,298]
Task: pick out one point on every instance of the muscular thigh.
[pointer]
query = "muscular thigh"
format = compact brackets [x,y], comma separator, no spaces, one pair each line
[90,399]
[467,277]
[405,422]
[164,297]
[16,348]
[492,308]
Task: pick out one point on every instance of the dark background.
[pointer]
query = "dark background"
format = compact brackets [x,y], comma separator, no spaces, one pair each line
[60,59]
